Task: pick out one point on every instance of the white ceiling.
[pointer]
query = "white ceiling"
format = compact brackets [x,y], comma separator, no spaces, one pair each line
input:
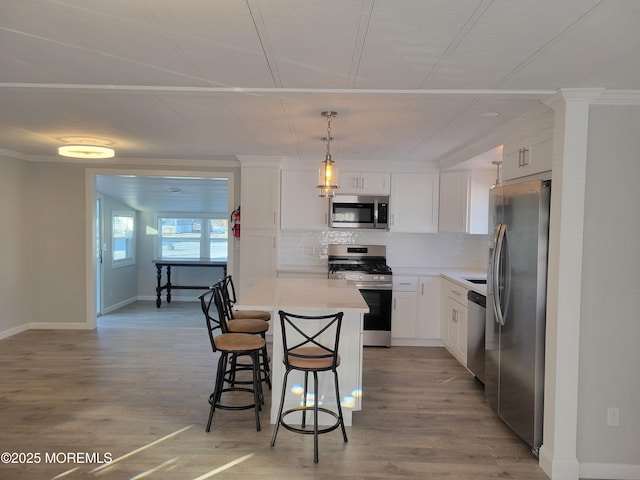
[205,79]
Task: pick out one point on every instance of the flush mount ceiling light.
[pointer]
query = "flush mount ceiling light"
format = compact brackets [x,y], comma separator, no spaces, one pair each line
[85,151]
[328,173]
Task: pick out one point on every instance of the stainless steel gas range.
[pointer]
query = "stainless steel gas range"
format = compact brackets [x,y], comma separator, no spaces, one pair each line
[366,266]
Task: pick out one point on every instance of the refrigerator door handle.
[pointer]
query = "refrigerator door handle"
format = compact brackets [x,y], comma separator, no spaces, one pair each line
[506,281]
[496,262]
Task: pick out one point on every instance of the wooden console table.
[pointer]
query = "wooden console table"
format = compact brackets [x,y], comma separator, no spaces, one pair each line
[196,262]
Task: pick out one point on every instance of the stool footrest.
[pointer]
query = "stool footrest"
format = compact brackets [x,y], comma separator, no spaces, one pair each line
[310,429]
[222,406]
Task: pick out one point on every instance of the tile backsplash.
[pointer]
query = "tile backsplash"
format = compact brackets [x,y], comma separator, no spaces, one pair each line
[449,250]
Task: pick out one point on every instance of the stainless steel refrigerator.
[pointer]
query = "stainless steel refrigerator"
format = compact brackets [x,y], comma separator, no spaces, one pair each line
[516,304]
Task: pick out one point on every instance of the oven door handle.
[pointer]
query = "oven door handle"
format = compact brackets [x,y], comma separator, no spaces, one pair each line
[372,286]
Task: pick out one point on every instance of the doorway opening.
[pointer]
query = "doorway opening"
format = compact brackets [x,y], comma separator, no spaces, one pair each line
[152,196]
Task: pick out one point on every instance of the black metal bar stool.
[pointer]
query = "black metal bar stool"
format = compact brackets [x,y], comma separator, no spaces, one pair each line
[252,326]
[227,344]
[303,351]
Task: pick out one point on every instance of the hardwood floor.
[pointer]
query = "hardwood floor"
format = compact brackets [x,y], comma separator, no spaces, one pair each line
[136,389]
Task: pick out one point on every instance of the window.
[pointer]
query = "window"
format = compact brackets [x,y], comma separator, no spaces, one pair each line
[193,237]
[122,238]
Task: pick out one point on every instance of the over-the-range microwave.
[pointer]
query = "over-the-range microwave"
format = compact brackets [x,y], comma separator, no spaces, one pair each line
[359,211]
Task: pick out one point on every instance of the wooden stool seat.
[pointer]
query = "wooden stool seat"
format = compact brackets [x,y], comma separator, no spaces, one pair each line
[238,342]
[248,325]
[257,314]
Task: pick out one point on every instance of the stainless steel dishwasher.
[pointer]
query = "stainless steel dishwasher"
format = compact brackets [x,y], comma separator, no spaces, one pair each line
[475,337]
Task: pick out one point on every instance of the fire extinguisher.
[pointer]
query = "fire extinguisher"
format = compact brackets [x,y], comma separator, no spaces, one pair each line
[235,218]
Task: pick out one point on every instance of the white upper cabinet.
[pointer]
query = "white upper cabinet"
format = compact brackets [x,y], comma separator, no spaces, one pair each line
[414,202]
[464,201]
[300,207]
[260,197]
[528,156]
[364,183]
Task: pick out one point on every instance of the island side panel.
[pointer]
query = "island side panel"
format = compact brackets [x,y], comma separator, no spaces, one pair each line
[349,372]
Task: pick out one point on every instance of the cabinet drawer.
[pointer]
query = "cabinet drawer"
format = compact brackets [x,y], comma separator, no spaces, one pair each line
[455,292]
[405,284]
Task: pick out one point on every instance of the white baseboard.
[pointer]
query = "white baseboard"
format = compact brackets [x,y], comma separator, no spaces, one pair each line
[59,326]
[13,331]
[571,469]
[118,305]
[609,471]
[558,468]
[416,342]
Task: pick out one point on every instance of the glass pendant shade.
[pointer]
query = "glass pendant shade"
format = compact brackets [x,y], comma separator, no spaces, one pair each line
[328,172]
[328,177]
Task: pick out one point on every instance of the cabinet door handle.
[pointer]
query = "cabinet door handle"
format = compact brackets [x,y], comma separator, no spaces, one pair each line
[362,185]
[525,157]
[394,303]
[422,289]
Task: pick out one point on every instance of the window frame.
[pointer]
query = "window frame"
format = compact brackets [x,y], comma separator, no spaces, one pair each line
[130,251]
[205,233]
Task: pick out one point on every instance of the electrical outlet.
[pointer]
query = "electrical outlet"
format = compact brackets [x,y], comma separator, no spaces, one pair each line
[613,417]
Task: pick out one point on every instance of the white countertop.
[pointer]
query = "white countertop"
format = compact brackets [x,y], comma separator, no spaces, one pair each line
[303,294]
[458,275]
[461,280]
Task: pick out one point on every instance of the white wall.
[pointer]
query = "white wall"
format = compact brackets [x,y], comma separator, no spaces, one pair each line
[56,216]
[610,323]
[14,247]
[120,283]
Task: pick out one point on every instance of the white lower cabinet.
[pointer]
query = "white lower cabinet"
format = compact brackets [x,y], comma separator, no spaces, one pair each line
[453,322]
[404,308]
[429,309]
[415,311]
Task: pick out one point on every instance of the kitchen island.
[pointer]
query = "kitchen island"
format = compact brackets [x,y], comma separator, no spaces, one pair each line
[311,296]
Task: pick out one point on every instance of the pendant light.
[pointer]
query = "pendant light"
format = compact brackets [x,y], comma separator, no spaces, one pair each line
[497,163]
[328,173]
